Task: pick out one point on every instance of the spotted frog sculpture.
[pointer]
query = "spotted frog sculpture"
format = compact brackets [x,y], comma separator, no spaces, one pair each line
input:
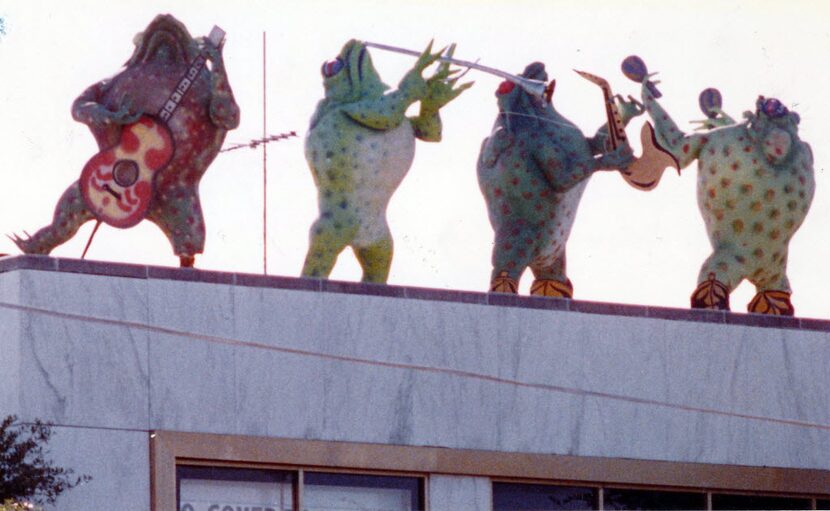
[360,146]
[163,55]
[532,170]
[754,188]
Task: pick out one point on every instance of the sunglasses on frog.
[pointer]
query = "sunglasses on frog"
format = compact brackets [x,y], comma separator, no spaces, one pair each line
[773,108]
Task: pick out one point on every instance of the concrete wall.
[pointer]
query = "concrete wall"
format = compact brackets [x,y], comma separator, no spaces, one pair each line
[110,352]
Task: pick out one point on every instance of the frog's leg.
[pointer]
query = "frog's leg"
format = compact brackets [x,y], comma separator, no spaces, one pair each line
[329,235]
[550,278]
[721,273]
[376,260]
[373,245]
[510,258]
[773,289]
[70,213]
[178,213]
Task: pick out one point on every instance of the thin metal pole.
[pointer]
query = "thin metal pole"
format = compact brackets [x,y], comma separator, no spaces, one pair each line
[88,243]
[264,168]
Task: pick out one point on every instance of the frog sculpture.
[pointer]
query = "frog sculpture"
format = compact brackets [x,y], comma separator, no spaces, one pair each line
[360,146]
[532,170]
[754,188]
[116,107]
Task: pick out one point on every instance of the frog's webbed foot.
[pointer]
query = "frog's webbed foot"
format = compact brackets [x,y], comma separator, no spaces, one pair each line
[25,244]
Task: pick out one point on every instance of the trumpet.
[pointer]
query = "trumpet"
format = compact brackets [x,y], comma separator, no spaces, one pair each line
[534,87]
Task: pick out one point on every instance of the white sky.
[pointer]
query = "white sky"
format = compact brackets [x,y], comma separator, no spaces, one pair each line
[626,246]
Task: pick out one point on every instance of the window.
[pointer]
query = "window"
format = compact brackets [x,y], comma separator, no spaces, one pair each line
[757,502]
[205,488]
[354,492]
[234,489]
[542,497]
[614,498]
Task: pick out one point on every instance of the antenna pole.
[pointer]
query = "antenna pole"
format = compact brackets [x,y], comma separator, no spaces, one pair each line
[88,243]
[264,168]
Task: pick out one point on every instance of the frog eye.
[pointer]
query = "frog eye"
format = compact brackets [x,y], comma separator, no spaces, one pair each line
[505,88]
[774,108]
[332,67]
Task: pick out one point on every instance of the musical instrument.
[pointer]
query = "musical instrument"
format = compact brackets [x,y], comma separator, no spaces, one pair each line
[645,172]
[535,87]
[117,183]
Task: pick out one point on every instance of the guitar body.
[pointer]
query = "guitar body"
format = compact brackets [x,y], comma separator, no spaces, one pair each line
[117,183]
[646,171]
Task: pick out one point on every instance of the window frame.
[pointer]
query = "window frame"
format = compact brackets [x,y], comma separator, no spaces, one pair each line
[171,448]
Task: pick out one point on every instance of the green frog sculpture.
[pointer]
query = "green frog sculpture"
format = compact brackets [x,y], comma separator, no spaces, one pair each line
[532,170]
[754,189]
[360,146]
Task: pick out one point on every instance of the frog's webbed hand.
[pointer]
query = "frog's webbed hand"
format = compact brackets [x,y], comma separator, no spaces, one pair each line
[413,84]
[88,110]
[493,146]
[389,111]
[441,86]
[721,119]
[618,159]
[628,109]
[441,89]
[224,112]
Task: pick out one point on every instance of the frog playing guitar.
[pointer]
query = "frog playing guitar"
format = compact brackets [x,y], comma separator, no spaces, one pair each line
[150,166]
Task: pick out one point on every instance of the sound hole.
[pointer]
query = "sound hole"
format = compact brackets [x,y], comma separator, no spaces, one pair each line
[125,172]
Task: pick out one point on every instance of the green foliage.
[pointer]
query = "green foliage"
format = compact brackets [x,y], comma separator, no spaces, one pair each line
[26,475]
[16,506]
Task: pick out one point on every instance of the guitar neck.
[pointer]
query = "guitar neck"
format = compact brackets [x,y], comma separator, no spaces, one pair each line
[215,38]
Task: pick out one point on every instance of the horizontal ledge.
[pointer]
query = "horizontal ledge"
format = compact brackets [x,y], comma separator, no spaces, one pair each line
[122,270]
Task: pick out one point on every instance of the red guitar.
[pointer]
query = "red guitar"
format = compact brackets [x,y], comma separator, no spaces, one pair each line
[117,183]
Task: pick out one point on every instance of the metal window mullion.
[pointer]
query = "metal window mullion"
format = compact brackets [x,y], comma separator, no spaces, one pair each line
[298,495]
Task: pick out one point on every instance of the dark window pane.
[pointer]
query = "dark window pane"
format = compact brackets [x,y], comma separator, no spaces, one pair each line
[541,497]
[648,499]
[757,502]
[358,492]
[822,504]
[222,489]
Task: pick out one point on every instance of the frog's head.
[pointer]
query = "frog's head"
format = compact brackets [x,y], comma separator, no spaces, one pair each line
[517,107]
[772,112]
[774,127]
[164,41]
[351,76]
